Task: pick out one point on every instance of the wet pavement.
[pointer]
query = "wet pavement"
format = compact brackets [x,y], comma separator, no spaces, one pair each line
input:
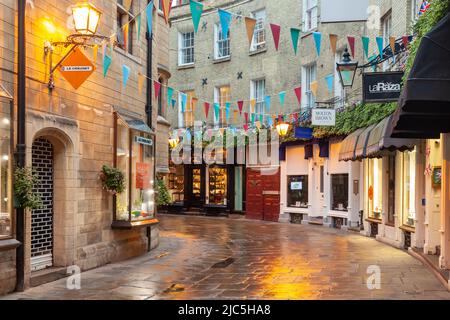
[219,258]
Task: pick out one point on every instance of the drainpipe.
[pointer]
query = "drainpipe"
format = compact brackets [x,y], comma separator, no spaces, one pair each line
[149,112]
[20,147]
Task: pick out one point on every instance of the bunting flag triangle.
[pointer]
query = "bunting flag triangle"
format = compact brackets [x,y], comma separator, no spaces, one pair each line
[250,24]
[167,4]
[95,53]
[106,64]
[351,43]
[405,40]
[392,43]
[216,111]
[333,42]
[246,117]
[314,87]
[149,13]
[330,80]
[141,79]
[196,13]
[169,94]
[282,96]
[126,28]
[276,30]
[125,74]
[318,41]
[227,110]
[225,20]
[298,94]
[371,58]
[240,106]
[245,127]
[183,101]
[253,116]
[206,108]
[269,122]
[365,42]
[127,4]
[138,28]
[173,102]
[380,45]
[104,45]
[252,104]
[295,34]
[157,87]
[267,102]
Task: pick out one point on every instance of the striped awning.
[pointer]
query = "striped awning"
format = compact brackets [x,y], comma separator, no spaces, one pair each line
[361,145]
[348,146]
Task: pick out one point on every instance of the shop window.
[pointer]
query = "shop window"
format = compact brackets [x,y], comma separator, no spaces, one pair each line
[176,183]
[218,186]
[322,173]
[391,190]
[135,158]
[297,194]
[339,192]
[375,190]
[5,176]
[409,190]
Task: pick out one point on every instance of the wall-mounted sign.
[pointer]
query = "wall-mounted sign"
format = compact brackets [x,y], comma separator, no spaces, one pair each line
[382,86]
[323,117]
[144,141]
[76,68]
[296,185]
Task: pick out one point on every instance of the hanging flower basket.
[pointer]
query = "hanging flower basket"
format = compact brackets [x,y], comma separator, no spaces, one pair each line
[113,180]
[25,180]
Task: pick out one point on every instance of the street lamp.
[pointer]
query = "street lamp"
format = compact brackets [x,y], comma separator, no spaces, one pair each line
[282,128]
[85,18]
[347,69]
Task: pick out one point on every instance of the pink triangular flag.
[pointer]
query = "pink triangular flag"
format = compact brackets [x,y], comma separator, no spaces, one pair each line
[240,106]
[276,30]
[351,43]
[157,87]
[405,40]
[298,93]
[207,105]
[246,127]
[246,117]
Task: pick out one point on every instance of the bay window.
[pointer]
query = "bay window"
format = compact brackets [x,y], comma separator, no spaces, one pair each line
[134,156]
[409,187]
[375,190]
[297,191]
[339,192]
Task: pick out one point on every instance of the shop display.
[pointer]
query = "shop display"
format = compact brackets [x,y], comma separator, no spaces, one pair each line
[218,186]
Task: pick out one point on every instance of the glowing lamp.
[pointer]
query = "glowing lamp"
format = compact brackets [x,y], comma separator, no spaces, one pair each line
[85,18]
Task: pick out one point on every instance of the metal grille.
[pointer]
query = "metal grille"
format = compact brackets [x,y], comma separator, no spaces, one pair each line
[42,219]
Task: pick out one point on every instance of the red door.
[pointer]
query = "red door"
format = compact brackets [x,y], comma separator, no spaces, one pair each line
[263,195]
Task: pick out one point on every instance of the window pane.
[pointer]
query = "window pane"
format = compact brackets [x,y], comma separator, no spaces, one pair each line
[122,152]
[409,183]
[218,186]
[5,179]
[391,190]
[176,183]
[297,191]
[339,192]
[375,191]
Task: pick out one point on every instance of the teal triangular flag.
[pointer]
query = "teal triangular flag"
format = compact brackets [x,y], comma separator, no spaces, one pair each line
[225,20]
[295,34]
[330,80]
[227,110]
[282,96]
[365,42]
[261,118]
[174,102]
[183,102]
[269,121]
[125,74]
[317,41]
[267,102]
[253,118]
[106,64]
[216,111]
[373,57]
[169,94]
[149,11]
[196,13]
[138,22]
[380,45]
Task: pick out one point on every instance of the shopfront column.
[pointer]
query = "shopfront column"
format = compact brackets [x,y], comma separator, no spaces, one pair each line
[444,259]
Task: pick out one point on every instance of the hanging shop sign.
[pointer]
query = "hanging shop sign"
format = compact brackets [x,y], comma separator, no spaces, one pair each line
[76,68]
[144,141]
[382,86]
[323,117]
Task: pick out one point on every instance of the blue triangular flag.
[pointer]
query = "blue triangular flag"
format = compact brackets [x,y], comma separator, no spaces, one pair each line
[330,80]
[106,64]
[125,74]
[169,94]
[267,102]
[269,121]
[225,20]
[196,13]
[174,102]
[149,12]
[227,110]
[282,96]
[183,102]
[380,45]
[317,41]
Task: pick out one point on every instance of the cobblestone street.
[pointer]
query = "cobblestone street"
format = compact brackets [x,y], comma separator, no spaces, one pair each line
[215,258]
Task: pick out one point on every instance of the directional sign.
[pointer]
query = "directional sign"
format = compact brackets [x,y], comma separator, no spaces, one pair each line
[76,68]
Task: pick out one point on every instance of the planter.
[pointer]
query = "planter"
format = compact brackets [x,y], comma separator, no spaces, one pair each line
[296,217]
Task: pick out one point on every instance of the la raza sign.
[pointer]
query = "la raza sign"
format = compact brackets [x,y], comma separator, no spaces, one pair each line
[382,86]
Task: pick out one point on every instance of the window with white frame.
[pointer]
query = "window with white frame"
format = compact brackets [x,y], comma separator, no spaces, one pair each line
[186,48]
[125,17]
[259,33]
[221,44]
[176,3]
[222,95]
[387,32]
[309,75]
[339,92]
[309,15]
[258,92]
[415,9]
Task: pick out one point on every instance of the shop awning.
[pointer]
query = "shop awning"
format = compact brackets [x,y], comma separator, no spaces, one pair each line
[348,146]
[380,143]
[361,145]
[424,106]
[133,120]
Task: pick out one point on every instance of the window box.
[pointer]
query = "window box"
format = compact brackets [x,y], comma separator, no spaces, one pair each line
[134,155]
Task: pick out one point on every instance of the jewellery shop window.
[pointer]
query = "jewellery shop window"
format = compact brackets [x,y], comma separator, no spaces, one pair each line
[375,191]
[135,158]
[297,195]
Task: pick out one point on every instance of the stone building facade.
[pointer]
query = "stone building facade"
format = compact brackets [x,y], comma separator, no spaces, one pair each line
[77,130]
